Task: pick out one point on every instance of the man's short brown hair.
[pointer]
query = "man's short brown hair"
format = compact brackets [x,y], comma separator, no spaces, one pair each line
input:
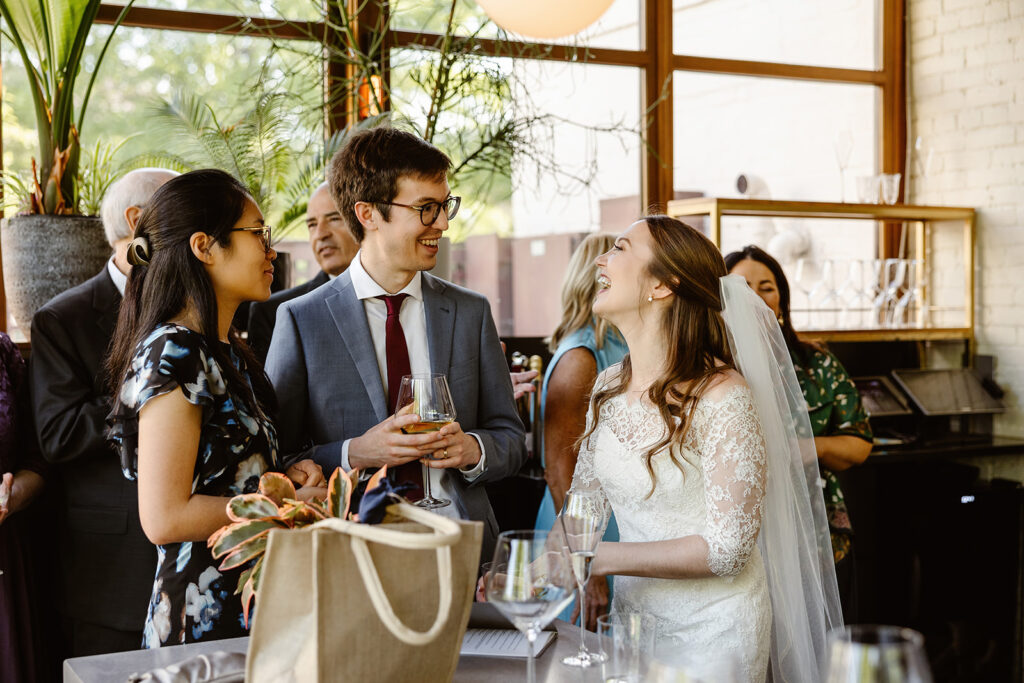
[368,167]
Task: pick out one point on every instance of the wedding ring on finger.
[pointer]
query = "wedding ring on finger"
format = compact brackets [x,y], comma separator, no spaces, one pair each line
[444,455]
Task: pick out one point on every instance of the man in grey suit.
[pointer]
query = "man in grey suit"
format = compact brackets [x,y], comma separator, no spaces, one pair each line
[338,352]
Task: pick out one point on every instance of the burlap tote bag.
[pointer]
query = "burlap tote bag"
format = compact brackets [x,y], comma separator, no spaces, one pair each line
[341,601]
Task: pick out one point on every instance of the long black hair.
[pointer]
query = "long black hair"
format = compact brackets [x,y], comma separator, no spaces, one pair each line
[174,280]
[798,349]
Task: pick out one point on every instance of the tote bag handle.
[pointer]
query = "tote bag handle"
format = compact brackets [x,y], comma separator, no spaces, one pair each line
[446,534]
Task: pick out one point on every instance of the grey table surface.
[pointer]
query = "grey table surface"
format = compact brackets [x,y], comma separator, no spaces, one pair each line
[115,668]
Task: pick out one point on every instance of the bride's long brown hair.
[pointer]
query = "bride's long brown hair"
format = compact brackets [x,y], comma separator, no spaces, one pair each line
[689,264]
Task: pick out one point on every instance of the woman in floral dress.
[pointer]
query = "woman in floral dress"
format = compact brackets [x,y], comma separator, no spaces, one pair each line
[842,435]
[193,410]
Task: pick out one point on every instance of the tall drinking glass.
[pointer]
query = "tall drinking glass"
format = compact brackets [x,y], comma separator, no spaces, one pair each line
[530,582]
[432,401]
[583,520]
[867,653]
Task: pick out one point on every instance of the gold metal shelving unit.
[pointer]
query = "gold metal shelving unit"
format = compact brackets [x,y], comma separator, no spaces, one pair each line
[922,218]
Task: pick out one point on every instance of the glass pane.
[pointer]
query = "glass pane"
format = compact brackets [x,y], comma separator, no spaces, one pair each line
[288,9]
[785,138]
[586,135]
[142,66]
[618,27]
[788,136]
[575,169]
[835,34]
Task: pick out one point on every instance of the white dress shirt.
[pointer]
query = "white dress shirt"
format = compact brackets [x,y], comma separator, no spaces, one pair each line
[414,326]
[119,278]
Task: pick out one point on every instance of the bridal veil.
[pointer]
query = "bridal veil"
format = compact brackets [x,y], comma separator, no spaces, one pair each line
[794,539]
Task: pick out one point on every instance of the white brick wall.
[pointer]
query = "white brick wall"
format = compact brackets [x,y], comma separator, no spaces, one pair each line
[967,102]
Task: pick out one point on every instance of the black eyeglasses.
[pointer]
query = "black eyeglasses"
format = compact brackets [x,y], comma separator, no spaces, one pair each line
[430,211]
[262,232]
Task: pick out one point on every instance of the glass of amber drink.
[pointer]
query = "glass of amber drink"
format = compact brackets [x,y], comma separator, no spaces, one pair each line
[431,399]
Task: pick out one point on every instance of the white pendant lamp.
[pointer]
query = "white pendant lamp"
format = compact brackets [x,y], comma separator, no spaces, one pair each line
[544,18]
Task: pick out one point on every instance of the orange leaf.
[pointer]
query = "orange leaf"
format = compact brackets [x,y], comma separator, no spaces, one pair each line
[376,478]
[276,487]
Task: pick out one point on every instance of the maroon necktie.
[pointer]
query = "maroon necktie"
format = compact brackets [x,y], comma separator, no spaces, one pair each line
[397,356]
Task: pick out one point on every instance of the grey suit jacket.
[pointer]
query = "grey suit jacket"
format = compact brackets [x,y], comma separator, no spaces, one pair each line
[329,388]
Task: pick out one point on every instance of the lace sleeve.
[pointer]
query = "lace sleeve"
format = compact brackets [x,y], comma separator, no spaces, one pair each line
[732,452]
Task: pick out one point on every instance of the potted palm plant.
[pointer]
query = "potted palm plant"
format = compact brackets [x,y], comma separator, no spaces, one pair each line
[51,247]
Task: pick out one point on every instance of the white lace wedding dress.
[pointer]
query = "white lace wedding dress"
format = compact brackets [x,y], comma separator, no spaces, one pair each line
[717,495]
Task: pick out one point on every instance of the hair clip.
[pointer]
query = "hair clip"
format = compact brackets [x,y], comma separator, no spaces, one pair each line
[138,251]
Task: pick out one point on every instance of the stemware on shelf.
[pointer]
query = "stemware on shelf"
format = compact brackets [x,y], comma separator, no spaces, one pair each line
[843,146]
[825,299]
[582,521]
[889,186]
[896,273]
[905,312]
[858,295]
[881,282]
[431,399]
[867,653]
[530,581]
[868,189]
[804,278]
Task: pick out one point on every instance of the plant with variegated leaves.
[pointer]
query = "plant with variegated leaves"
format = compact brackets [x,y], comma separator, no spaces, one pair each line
[275,506]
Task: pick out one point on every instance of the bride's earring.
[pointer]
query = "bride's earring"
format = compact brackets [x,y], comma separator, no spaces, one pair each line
[782,320]
[650,298]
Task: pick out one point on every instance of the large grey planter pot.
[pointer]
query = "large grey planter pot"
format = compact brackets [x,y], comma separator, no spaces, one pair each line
[45,255]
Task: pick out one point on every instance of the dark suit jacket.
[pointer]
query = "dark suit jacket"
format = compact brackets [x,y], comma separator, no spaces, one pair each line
[329,388]
[263,313]
[107,562]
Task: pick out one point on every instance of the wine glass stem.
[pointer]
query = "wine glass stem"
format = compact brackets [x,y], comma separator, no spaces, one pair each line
[531,673]
[426,481]
[583,618]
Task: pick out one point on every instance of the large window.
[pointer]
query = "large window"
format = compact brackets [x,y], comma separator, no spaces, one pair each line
[835,34]
[144,66]
[659,97]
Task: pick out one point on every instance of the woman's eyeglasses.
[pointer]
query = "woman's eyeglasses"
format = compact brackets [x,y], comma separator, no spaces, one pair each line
[262,232]
[430,211]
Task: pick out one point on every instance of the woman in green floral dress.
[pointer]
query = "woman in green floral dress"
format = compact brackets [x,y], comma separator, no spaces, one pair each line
[842,435]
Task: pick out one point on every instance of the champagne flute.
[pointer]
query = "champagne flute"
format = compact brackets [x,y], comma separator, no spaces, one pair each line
[432,401]
[583,521]
[530,582]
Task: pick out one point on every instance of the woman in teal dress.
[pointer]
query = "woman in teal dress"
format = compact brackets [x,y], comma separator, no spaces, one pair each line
[842,435]
[583,345]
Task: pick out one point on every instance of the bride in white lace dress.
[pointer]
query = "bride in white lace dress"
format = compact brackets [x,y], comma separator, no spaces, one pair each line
[676,445]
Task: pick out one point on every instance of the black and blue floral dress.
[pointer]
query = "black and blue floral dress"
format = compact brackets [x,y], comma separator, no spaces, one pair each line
[193,600]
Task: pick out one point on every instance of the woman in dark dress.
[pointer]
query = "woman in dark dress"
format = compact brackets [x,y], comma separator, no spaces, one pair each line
[193,409]
[842,434]
[22,475]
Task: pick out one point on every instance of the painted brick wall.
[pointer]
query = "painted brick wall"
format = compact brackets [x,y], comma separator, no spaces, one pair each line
[967,105]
